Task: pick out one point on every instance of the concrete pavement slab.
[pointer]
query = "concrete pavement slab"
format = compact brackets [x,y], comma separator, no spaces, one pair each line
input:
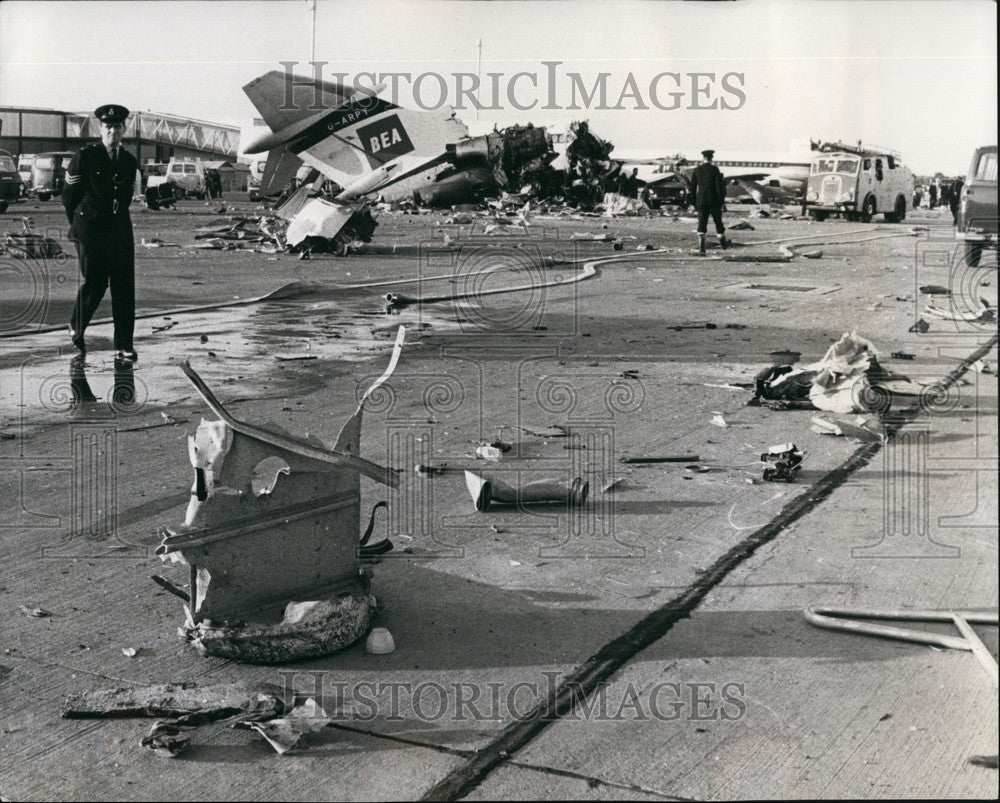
[503,604]
[747,700]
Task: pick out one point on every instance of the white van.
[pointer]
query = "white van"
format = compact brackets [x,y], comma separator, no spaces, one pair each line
[189,176]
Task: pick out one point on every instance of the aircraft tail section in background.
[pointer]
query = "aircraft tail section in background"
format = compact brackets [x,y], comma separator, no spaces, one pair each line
[388,141]
[356,139]
[765,194]
[282,104]
[281,167]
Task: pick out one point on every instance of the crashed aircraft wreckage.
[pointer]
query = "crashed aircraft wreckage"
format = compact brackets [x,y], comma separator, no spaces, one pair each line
[271,538]
[367,145]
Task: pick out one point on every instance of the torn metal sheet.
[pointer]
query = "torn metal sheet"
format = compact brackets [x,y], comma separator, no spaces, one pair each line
[320,218]
[271,537]
[981,313]
[861,434]
[285,733]
[166,740]
[488,491]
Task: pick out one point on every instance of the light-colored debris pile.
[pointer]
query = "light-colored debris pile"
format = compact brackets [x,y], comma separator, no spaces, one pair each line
[849,379]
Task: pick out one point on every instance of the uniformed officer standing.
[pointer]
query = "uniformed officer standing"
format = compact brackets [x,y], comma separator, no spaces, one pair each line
[708,191]
[100,181]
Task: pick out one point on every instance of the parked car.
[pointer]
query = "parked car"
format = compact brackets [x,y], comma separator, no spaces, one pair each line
[10,181]
[976,223]
[670,190]
[48,174]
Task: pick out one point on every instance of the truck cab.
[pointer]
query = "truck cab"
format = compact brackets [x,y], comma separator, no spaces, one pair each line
[858,184]
[976,222]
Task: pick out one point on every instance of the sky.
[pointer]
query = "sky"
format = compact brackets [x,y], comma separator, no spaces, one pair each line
[918,76]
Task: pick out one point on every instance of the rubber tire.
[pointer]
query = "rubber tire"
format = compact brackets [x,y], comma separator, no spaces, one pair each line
[44,196]
[869,210]
[819,217]
[898,215]
[973,253]
[3,207]
[178,193]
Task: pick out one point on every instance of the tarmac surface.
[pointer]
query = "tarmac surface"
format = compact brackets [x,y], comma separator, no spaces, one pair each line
[649,645]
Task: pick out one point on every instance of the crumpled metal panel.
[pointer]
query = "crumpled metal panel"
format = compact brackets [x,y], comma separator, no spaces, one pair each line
[273,520]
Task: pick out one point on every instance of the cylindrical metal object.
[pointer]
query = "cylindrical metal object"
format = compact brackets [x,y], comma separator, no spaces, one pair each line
[488,491]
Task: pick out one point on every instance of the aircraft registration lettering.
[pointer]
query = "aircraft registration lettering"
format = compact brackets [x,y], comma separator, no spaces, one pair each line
[346,119]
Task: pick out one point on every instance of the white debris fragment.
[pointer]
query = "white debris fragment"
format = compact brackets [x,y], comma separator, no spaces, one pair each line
[491,453]
[380,642]
[824,427]
[284,733]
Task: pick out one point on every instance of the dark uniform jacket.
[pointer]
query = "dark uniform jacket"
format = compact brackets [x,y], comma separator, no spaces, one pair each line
[708,187]
[96,196]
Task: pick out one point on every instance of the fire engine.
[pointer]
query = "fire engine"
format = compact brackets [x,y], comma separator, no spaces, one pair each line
[858,183]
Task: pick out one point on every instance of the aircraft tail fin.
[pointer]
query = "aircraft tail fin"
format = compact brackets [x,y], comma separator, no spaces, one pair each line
[281,167]
[283,101]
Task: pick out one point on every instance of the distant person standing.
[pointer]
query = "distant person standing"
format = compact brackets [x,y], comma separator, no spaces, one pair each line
[708,193]
[933,194]
[100,181]
[630,188]
[956,199]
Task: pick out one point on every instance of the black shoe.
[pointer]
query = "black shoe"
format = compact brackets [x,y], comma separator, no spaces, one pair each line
[77,340]
[723,242]
[126,355]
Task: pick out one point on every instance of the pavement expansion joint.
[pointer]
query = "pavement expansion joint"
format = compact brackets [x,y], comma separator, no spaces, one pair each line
[616,653]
